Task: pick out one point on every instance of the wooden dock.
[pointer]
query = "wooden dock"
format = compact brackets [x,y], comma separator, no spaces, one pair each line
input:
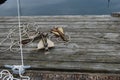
[93,49]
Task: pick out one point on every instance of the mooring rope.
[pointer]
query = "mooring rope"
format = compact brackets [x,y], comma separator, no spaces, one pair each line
[17,69]
[20,36]
[6,75]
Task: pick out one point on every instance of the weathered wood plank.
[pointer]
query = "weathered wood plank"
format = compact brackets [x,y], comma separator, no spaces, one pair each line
[109,67]
[94,43]
[59,75]
[39,75]
[61,57]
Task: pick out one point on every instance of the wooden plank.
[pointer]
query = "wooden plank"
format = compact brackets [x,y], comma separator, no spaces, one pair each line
[65,65]
[94,44]
[61,57]
[56,75]
[35,75]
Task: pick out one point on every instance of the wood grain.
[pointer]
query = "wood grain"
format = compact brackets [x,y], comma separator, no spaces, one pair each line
[94,44]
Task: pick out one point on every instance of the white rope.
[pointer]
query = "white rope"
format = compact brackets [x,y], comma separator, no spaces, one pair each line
[6,75]
[21,49]
[8,36]
[14,43]
[24,77]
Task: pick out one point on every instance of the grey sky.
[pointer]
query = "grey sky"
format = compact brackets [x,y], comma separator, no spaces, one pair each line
[60,7]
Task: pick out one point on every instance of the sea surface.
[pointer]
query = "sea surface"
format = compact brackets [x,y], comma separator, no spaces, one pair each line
[60,7]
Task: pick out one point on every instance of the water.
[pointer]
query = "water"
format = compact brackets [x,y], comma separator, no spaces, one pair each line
[60,7]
